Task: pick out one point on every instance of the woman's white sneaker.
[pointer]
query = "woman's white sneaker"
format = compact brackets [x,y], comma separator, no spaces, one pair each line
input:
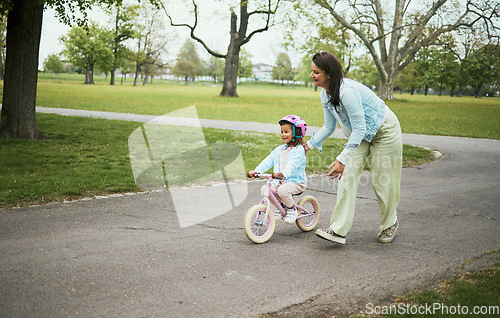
[330,235]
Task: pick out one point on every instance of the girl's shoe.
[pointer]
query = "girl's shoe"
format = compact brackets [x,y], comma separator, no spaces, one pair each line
[330,235]
[277,214]
[291,215]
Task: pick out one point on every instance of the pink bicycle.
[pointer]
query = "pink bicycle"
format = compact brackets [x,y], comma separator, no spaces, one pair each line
[260,222]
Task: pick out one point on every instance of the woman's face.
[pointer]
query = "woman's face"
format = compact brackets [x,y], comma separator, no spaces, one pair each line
[319,77]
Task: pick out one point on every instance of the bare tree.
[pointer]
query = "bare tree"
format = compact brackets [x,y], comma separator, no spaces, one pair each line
[239,36]
[151,42]
[394,39]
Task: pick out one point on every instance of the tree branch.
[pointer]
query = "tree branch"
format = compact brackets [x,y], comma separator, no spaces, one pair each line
[369,45]
[269,12]
[192,29]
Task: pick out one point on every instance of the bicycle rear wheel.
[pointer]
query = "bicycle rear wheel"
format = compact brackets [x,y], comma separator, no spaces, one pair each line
[258,227]
[308,223]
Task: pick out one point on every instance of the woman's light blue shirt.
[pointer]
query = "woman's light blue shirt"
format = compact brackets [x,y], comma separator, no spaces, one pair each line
[295,169]
[361,113]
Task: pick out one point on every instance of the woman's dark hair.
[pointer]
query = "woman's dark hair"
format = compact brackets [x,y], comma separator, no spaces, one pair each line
[330,65]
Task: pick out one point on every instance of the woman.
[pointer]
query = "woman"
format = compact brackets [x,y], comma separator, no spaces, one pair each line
[372,129]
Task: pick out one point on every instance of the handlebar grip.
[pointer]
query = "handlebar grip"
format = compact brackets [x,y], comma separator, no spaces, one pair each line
[257,174]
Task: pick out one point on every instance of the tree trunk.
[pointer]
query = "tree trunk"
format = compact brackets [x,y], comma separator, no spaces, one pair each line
[385,88]
[24,26]
[112,81]
[115,48]
[137,68]
[147,66]
[1,68]
[89,74]
[230,75]
[479,90]
[232,60]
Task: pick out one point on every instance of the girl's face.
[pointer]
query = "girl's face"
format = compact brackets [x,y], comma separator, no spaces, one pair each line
[319,77]
[286,133]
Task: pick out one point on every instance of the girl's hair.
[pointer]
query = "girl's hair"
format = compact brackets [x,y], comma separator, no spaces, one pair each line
[296,140]
[330,65]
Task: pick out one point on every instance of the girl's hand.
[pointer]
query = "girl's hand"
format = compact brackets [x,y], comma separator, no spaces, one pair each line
[278,175]
[336,170]
[251,173]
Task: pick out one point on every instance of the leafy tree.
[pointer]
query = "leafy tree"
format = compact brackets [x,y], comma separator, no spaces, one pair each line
[446,64]
[53,64]
[332,39]
[245,67]
[151,42]
[123,30]
[86,46]
[481,68]
[409,78]
[188,62]
[239,36]
[283,68]
[128,66]
[393,39]
[215,67]
[304,71]
[186,69]
[437,67]
[365,71]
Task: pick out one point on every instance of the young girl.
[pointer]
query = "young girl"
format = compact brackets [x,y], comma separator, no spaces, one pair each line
[289,164]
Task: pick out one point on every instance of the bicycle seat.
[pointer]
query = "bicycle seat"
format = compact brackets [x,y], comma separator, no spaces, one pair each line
[298,193]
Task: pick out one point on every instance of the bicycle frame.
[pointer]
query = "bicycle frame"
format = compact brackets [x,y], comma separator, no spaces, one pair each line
[271,196]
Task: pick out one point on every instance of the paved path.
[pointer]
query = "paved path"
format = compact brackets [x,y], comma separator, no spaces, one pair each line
[127,256]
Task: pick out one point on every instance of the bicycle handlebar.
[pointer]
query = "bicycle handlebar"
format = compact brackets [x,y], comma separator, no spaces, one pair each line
[268,176]
[263,175]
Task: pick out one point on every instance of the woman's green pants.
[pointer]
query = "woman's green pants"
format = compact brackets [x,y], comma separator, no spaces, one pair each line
[386,150]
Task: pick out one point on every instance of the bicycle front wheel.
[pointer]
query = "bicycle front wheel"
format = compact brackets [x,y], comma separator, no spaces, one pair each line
[258,227]
[311,205]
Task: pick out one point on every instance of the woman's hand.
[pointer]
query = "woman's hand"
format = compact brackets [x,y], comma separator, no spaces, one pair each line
[306,148]
[336,170]
[251,173]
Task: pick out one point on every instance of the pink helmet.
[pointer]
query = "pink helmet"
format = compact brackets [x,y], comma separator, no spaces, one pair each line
[296,122]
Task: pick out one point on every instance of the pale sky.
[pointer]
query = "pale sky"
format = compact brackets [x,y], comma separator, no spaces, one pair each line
[263,47]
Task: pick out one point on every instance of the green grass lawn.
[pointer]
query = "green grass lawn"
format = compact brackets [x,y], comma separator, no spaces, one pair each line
[85,157]
[418,114]
[474,294]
